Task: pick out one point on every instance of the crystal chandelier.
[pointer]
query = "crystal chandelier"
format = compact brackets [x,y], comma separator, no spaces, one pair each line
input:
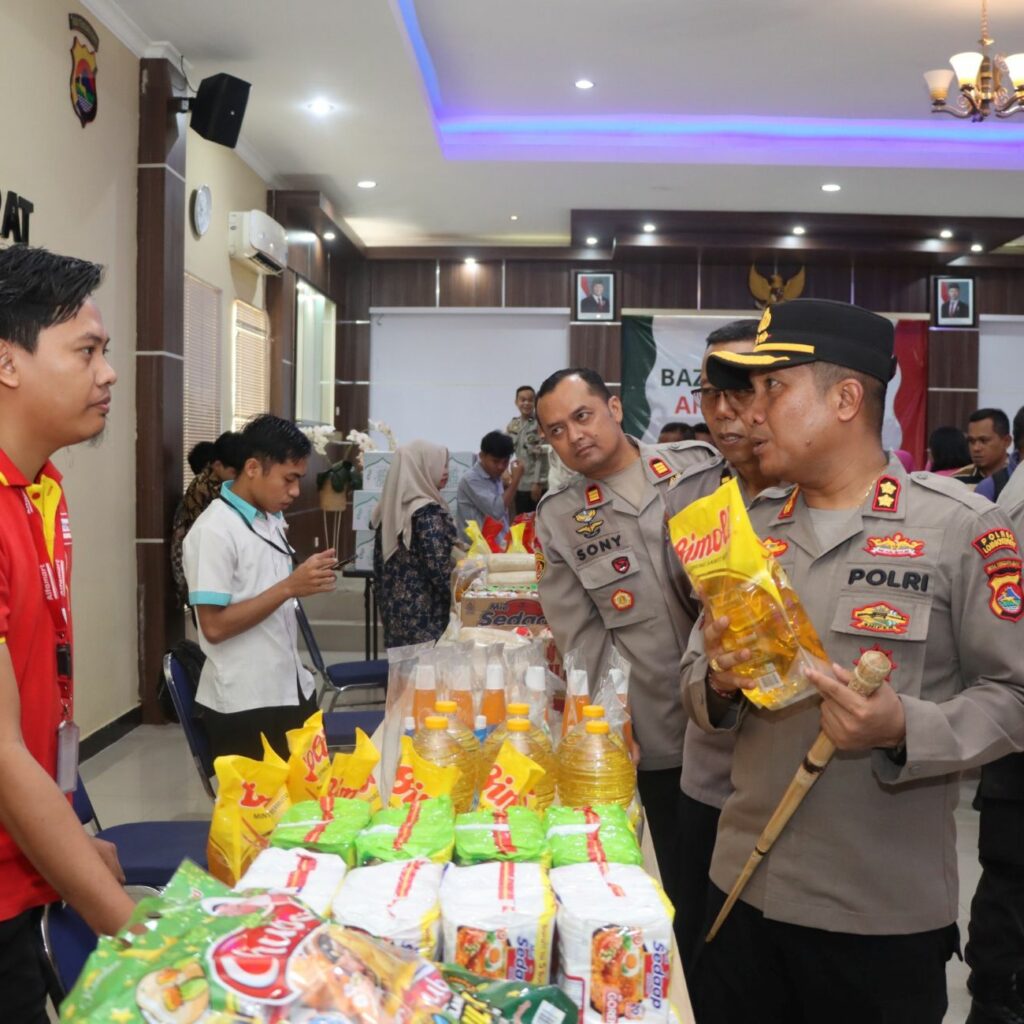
[987,84]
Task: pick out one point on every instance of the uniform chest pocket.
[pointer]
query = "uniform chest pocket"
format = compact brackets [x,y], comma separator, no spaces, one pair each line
[615,585]
[891,621]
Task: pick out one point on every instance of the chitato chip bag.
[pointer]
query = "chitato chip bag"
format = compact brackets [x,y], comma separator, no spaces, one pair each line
[738,578]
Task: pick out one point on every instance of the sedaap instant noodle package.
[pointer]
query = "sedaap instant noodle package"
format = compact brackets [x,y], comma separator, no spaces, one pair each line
[498,920]
[615,943]
[396,902]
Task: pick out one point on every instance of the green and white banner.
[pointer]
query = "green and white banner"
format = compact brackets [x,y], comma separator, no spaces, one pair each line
[661,357]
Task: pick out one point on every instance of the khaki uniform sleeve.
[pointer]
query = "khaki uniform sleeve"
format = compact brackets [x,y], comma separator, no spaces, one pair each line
[986,719]
[698,702]
[570,613]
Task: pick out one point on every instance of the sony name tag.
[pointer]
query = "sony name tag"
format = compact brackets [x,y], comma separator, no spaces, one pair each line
[67,756]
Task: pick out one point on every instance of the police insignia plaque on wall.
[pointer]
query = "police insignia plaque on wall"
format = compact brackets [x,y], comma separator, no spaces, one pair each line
[84,44]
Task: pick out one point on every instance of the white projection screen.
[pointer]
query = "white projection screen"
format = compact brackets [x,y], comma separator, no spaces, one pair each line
[1000,365]
[451,377]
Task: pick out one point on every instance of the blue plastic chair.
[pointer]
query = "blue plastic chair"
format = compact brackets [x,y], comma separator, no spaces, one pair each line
[345,676]
[183,699]
[149,851]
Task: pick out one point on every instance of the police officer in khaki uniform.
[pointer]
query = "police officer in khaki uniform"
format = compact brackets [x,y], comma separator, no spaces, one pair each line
[603,576]
[851,916]
[707,757]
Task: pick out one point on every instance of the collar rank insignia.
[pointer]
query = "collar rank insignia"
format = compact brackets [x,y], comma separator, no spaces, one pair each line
[594,496]
[660,468]
[786,512]
[887,495]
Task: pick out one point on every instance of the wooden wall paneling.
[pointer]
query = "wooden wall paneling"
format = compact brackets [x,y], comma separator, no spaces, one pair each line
[355,301]
[538,284]
[726,284]
[403,283]
[470,284]
[952,359]
[823,280]
[1000,291]
[892,287]
[657,285]
[950,409]
[597,347]
[281,293]
[353,358]
[160,268]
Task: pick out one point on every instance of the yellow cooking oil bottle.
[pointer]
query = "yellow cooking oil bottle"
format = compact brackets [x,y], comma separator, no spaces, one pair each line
[434,743]
[595,769]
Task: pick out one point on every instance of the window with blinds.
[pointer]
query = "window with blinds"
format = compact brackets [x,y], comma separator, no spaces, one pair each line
[250,330]
[201,406]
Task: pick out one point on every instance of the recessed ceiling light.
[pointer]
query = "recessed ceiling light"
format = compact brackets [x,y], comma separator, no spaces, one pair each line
[366,183]
[977,247]
[514,216]
[329,236]
[591,240]
[320,107]
[470,261]
[830,186]
[650,227]
[584,83]
[945,233]
[799,230]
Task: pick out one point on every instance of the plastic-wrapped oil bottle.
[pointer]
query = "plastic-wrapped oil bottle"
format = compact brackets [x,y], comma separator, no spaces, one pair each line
[466,738]
[497,735]
[435,744]
[595,769]
[532,742]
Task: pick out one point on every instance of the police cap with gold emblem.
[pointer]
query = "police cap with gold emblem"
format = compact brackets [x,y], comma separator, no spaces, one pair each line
[810,331]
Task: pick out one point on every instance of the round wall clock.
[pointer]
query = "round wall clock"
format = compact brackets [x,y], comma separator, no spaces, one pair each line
[201,209]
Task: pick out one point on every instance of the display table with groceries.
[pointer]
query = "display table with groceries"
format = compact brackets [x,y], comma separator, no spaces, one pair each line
[481,858]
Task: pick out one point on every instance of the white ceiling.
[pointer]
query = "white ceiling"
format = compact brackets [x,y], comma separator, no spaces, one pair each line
[660,64]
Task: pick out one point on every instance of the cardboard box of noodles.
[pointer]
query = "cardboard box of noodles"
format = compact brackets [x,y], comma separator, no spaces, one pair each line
[508,608]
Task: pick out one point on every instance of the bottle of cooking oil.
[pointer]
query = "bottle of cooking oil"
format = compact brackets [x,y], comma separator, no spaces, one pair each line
[595,769]
[537,695]
[434,743]
[495,738]
[532,742]
[424,693]
[576,698]
[779,641]
[492,707]
[465,738]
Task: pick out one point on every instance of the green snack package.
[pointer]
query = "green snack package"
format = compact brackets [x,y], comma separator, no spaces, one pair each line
[327,825]
[516,834]
[425,828]
[190,884]
[480,1000]
[591,834]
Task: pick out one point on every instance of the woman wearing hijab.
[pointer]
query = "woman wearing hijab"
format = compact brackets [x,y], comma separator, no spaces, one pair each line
[412,552]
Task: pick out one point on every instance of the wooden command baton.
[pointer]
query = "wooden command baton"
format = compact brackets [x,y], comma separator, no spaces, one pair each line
[870,672]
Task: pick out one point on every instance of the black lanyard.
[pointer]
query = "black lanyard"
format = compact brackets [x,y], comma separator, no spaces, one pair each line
[289,552]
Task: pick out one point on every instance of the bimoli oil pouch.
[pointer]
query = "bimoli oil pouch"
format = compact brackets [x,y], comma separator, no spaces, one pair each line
[736,577]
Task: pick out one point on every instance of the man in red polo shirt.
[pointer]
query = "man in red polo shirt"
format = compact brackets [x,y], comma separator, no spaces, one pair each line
[55,386]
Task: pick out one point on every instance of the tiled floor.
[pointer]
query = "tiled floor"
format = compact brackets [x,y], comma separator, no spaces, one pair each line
[149,775]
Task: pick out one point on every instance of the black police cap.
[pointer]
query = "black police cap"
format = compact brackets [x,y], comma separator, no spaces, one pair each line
[810,331]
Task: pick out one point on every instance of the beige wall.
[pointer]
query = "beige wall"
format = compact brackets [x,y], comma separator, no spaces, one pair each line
[234,186]
[82,182]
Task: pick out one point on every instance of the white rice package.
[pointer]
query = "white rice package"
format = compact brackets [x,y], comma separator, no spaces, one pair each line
[310,877]
[614,941]
[498,920]
[396,902]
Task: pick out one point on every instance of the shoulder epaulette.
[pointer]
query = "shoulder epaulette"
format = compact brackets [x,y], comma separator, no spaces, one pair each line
[952,489]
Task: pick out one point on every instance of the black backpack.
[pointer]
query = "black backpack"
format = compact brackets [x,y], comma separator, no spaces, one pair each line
[192,660]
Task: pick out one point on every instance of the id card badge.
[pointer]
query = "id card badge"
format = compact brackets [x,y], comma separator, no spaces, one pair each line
[67,756]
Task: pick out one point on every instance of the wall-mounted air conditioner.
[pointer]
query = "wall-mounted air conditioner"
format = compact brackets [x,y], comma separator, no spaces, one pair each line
[257,240]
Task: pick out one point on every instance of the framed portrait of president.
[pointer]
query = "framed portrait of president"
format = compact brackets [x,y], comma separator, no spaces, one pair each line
[953,301]
[593,295]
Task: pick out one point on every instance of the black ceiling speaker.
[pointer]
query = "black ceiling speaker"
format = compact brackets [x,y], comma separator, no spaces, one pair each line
[218,108]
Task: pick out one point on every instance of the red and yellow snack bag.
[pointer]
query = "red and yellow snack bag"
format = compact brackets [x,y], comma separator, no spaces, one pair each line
[418,779]
[251,797]
[738,577]
[309,762]
[352,776]
[511,781]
